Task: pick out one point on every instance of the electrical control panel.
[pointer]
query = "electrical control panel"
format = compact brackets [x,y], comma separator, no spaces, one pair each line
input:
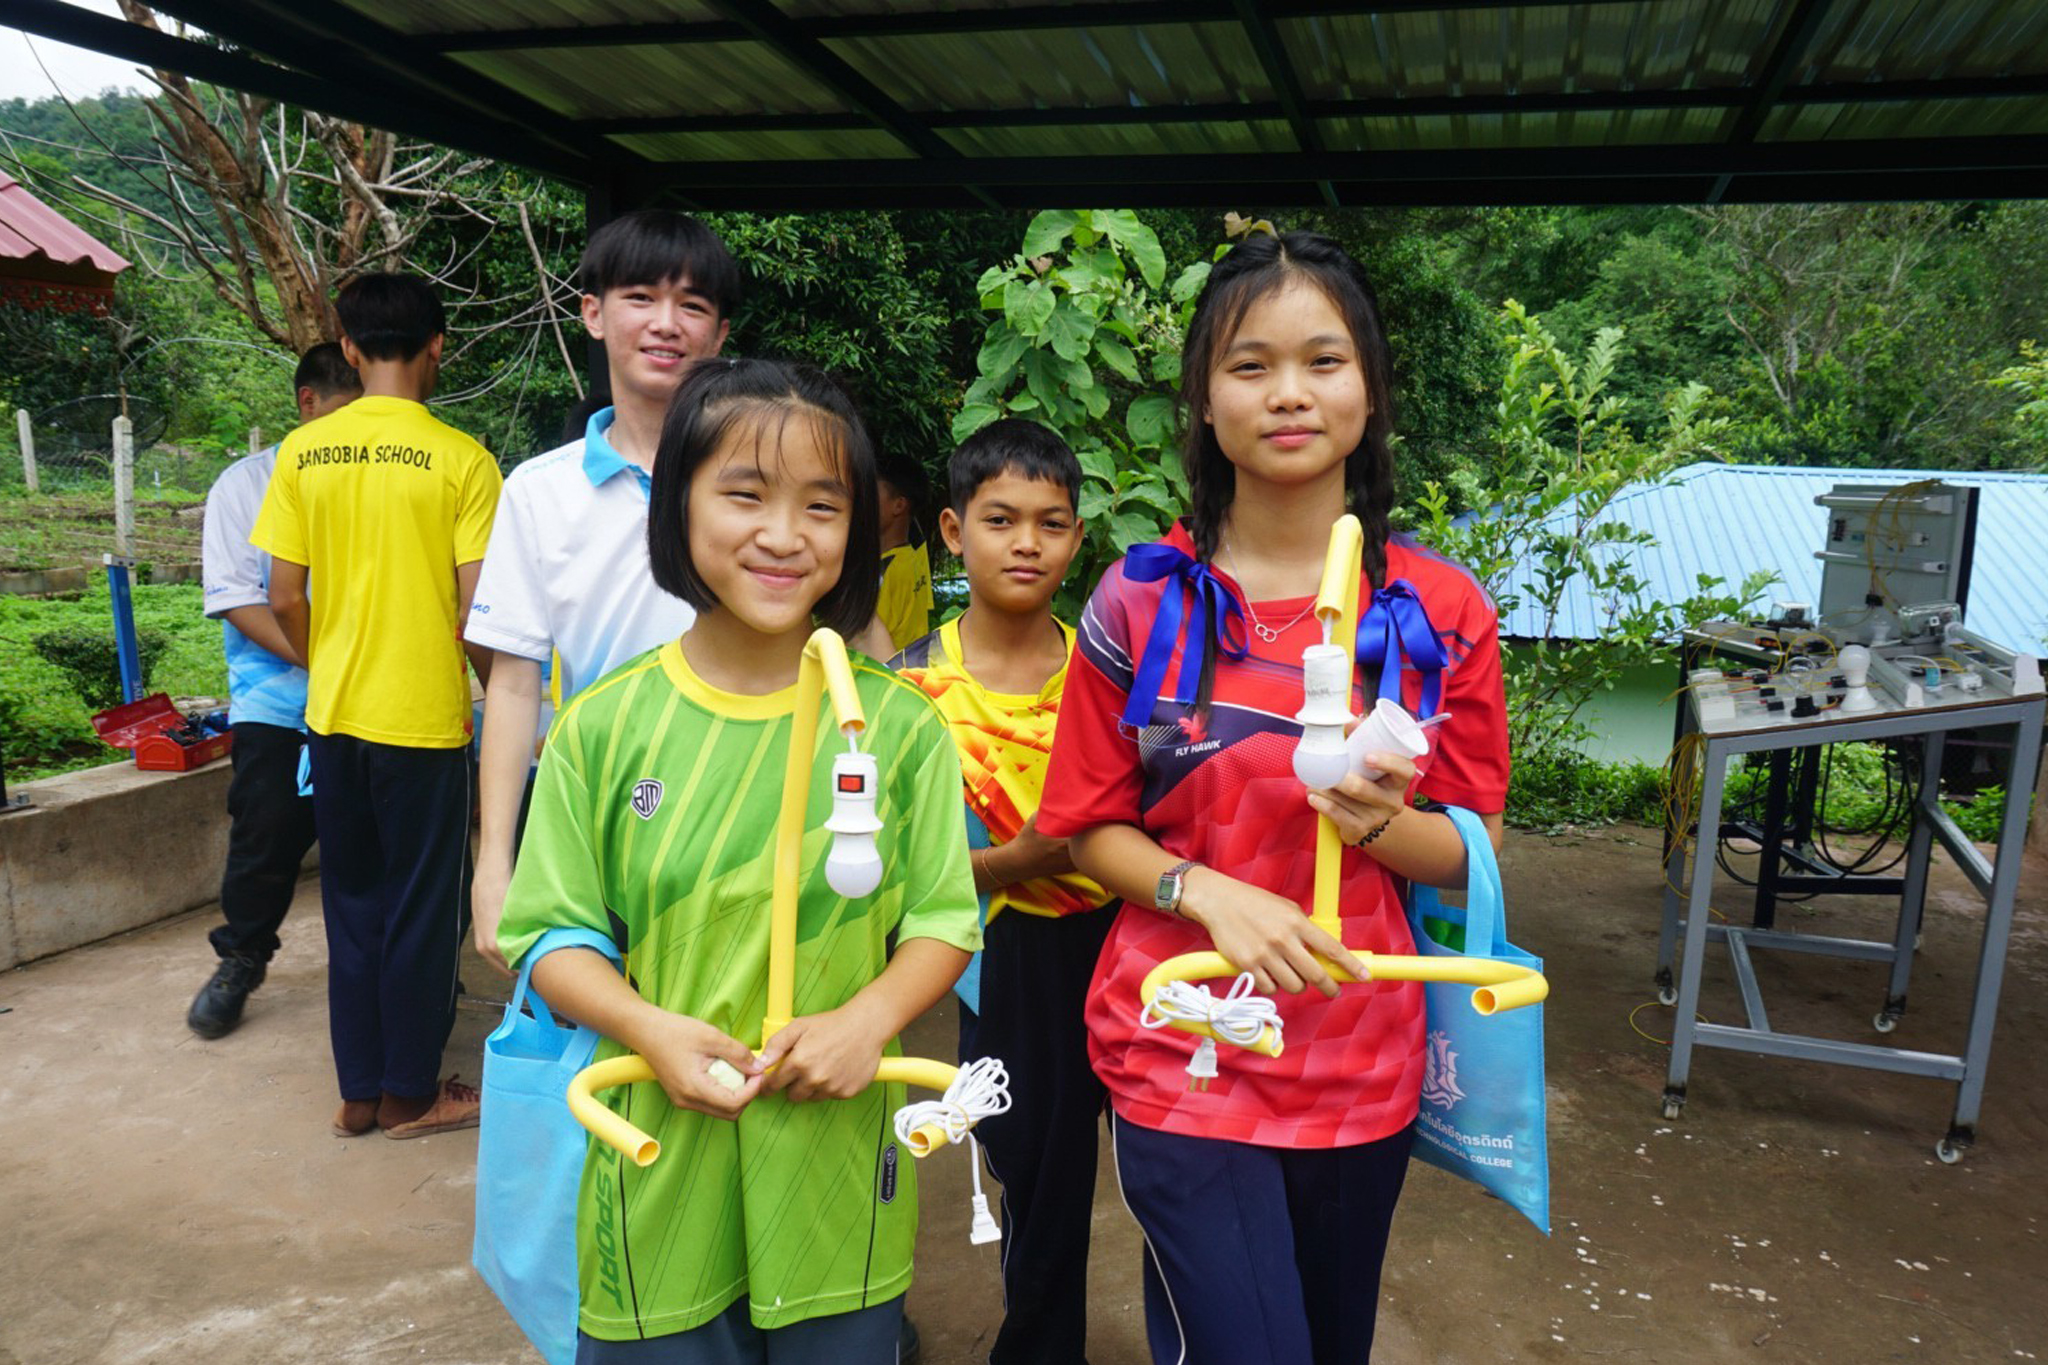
[1892,547]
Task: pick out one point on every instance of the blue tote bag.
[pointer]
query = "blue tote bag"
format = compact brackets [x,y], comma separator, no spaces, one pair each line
[1483,1113]
[529,1159]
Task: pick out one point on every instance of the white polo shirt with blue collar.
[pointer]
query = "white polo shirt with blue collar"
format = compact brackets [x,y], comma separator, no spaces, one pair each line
[566,573]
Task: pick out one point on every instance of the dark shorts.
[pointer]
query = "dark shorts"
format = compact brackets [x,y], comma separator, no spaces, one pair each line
[866,1336]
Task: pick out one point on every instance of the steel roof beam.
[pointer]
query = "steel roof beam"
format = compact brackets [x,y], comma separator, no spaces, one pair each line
[1417,106]
[1772,79]
[312,34]
[932,23]
[1286,84]
[1811,162]
[366,101]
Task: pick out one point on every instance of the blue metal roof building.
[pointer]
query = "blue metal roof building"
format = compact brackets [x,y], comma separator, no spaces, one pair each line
[1729,519]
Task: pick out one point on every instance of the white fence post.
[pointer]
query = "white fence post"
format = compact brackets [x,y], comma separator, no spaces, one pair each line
[28,448]
[255,439]
[124,487]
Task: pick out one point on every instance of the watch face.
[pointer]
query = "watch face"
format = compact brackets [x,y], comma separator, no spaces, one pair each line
[1169,891]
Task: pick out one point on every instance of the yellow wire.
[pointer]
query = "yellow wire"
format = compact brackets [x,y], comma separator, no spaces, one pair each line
[1663,1042]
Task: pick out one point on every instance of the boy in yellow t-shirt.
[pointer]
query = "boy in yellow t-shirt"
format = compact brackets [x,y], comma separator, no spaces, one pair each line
[904,606]
[386,509]
[996,674]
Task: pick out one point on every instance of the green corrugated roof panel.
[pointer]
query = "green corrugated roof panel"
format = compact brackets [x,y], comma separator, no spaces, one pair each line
[1062,68]
[1551,48]
[1190,139]
[499,16]
[853,144]
[1934,38]
[645,82]
[1936,118]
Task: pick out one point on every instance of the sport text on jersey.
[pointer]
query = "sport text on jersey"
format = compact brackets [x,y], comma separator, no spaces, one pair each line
[379,454]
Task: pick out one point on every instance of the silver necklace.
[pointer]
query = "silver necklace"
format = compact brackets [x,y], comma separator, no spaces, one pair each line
[1270,634]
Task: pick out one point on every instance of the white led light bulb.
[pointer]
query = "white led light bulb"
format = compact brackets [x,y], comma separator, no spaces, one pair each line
[1855,664]
[1320,760]
[853,867]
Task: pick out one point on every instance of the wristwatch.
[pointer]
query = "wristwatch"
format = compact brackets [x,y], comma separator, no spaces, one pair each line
[1171,883]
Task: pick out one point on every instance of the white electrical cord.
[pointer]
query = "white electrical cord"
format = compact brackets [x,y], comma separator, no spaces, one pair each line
[981,1090]
[1239,1018]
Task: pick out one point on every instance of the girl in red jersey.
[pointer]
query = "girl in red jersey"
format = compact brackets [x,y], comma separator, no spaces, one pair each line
[1265,1197]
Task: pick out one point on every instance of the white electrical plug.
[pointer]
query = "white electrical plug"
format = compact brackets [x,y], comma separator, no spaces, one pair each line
[853,867]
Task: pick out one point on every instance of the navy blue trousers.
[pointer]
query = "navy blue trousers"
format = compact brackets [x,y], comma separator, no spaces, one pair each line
[1034,983]
[270,827]
[1260,1255]
[394,882]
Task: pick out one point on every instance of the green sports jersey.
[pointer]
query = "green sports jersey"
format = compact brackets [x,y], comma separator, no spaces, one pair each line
[653,822]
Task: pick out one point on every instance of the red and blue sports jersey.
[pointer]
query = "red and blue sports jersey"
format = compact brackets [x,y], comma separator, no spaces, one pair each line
[1219,787]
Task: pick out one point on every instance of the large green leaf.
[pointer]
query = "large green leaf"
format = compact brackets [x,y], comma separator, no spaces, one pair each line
[1131,528]
[1069,330]
[1190,281]
[1027,304]
[1116,355]
[1097,463]
[1138,241]
[1000,351]
[1150,420]
[972,418]
[1042,375]
[1047,231]
[1166,367]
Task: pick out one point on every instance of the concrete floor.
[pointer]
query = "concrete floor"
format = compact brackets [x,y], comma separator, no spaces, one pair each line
[165,1199]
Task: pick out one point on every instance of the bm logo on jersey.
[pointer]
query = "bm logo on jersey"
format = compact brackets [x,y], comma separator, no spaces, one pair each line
[646,797]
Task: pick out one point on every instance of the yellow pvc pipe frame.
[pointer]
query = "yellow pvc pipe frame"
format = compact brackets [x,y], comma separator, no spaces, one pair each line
[823,669]
[1500,985]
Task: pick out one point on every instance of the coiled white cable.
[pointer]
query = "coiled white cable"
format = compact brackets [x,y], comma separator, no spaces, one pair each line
[981,1090]
[1238,1017]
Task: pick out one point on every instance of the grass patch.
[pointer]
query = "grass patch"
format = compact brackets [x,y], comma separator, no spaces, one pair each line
[45,726]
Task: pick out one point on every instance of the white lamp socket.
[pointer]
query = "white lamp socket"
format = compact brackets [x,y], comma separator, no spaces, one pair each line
[1321,759]
[853,866]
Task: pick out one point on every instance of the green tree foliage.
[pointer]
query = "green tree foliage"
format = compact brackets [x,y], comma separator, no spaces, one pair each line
[1564,453]
[842,291]
[1085,336]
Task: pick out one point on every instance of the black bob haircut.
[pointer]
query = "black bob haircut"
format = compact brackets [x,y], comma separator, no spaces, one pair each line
[748,405]
[1025,448]
[324,369]
[1260,265]
[656,246]
[389,316]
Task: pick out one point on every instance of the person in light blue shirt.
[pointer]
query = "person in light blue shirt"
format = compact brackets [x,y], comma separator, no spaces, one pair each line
[270,823]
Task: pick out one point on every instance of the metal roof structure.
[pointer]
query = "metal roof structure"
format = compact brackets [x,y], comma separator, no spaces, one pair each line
[48,261]
[806,104]
[1729,520]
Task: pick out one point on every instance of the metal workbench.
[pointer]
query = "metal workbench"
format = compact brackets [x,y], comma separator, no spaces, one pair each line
[1688,913]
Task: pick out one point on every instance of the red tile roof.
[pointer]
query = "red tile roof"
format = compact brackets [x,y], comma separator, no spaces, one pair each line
[46,259]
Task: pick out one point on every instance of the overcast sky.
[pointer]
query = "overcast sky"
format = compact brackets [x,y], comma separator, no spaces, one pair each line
[75,71]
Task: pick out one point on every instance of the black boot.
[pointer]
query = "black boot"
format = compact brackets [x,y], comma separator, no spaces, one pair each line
[909,1348]
[218,1006]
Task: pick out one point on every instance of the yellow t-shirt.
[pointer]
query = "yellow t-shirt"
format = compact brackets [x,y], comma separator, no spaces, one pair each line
[905,604]
[380,501]
[1005,742]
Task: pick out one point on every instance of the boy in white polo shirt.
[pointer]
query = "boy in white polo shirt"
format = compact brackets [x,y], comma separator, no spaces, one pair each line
[566,574]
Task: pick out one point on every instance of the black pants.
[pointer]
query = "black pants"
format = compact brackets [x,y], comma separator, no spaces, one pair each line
[1260,1255]
[270,827]
[394,877]
[1034,980]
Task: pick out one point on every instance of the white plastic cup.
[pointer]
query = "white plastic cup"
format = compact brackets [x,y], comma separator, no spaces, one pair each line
[1386,729]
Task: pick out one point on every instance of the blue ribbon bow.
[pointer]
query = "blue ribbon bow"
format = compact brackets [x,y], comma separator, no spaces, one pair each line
[1214,604]
[1396,626]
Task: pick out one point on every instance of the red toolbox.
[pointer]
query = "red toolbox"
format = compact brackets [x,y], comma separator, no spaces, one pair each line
[163,740]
